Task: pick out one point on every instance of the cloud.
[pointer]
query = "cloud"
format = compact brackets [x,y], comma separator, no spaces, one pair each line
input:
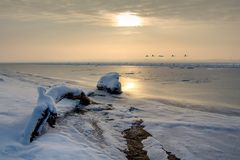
[97,11]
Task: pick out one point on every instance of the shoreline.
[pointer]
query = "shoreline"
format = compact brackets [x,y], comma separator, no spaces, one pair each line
[186,65]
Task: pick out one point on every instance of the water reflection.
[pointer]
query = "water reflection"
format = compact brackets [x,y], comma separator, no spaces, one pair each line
[129,85]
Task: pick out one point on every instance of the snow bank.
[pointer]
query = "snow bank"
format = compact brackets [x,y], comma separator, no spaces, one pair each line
[110,83]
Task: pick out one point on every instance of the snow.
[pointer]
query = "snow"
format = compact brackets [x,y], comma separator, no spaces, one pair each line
[57,92]
[154,149]
[66,141]
[45,105]
[110,83]
[192,134]
[97,134]
[46,101]
[36,115]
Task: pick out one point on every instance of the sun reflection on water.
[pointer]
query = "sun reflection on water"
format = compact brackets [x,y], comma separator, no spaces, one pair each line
[129,85]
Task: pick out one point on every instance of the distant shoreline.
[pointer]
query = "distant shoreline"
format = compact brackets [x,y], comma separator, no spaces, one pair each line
[186,65]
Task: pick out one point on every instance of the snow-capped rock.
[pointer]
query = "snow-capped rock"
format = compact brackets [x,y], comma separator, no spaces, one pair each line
[110,83]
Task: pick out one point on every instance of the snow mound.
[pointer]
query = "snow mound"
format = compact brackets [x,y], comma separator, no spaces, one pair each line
[110,83]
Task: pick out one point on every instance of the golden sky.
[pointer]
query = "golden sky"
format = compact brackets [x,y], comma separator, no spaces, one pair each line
[113,30]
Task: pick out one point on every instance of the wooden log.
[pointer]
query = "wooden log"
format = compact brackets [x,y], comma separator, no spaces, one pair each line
[43,112]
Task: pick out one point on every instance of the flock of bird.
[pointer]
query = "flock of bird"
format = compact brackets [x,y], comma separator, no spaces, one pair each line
[185,55]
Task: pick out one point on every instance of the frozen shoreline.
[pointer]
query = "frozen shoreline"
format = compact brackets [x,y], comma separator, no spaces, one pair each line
[188,133]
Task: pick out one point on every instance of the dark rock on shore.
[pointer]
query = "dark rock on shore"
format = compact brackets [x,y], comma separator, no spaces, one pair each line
[134,137]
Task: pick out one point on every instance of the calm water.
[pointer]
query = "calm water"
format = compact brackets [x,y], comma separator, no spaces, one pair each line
[209,87]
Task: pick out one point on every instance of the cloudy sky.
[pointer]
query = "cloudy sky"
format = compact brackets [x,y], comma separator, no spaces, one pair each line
[119,30]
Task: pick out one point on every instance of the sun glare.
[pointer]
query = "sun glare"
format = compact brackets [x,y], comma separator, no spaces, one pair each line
[129,86]
[128,19]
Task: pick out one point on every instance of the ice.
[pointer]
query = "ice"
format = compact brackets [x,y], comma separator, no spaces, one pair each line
[110,83]
[154,149]
[191,134]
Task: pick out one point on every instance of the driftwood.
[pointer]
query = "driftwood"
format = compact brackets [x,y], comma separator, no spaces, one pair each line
[35,132]
[46,115]
[84,100]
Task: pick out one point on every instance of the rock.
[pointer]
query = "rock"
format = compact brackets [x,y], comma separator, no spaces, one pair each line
[110,83]
[134,137]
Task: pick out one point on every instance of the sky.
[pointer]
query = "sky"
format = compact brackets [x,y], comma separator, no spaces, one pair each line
[119,30]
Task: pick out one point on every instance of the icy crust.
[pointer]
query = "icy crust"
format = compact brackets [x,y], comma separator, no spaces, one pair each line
[58,92]
[154,149]
[110,83]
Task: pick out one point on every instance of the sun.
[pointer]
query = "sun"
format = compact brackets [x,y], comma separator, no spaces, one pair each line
[128,19]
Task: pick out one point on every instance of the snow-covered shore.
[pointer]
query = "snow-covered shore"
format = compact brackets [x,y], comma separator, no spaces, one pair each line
[97,133]
[18,99]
